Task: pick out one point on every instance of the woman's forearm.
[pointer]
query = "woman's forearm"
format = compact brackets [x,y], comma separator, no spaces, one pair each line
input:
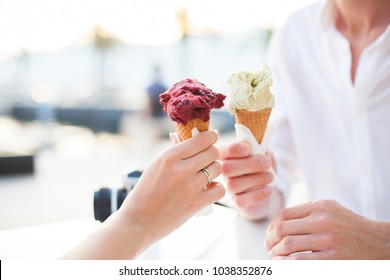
[120,237]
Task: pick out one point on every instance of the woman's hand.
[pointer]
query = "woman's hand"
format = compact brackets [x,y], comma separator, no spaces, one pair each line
[169,192]
[173,187]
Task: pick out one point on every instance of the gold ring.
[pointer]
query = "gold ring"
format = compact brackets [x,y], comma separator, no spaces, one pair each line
[208,174]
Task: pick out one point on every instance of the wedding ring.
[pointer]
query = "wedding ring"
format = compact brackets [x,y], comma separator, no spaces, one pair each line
[208,174]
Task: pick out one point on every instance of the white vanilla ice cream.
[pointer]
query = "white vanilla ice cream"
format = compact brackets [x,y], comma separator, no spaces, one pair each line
[250,90]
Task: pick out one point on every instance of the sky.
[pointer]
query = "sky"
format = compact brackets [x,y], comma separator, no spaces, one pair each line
[50,25]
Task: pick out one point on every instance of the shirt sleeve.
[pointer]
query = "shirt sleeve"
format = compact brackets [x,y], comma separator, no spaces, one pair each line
[282,143]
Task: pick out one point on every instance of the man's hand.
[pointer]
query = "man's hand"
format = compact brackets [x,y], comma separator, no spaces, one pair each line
[326,230]
[247,177]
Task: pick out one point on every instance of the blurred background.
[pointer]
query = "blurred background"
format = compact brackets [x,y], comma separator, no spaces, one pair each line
[79,85]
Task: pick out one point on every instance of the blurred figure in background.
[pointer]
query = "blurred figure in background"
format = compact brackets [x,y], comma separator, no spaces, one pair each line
[155,109]
[148,126]
[154,90]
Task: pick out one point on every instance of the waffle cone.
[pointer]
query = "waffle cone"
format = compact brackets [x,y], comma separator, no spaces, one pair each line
[255,121]
[185,131]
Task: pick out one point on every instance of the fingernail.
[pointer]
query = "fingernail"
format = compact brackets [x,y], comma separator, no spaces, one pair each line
[266,162]
[245,147]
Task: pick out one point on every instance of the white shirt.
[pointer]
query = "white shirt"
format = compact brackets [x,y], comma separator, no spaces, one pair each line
[333,132]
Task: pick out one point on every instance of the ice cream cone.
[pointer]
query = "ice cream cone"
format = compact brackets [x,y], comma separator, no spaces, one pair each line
[185,131]
[255,121]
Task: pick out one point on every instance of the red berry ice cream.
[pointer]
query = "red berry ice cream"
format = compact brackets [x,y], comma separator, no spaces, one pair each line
[190,100]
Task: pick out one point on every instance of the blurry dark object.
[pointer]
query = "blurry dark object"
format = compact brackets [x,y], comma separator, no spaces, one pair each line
[95,119]
[11,163]
[106,200]
[109,119]
[154,90]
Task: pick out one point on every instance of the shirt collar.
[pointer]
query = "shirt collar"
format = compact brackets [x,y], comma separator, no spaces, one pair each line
[327,15]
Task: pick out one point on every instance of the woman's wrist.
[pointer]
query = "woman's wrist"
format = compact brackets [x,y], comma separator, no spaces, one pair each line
[131,233]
